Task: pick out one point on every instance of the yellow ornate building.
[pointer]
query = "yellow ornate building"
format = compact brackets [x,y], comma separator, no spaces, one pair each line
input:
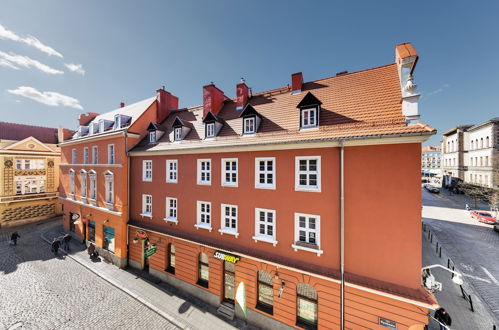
[29,173]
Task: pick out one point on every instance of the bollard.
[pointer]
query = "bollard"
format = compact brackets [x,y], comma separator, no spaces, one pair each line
[471,303]
[440,253]
[494,327]
[436,250]
[429,233]
[448,263]
[431,238]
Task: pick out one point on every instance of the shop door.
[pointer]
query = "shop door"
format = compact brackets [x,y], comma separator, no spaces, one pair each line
[229,281]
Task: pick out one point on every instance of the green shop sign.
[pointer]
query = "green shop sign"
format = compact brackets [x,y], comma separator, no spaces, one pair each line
[150,252]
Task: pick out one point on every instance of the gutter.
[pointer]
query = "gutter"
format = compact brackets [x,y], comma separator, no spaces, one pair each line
[342,235]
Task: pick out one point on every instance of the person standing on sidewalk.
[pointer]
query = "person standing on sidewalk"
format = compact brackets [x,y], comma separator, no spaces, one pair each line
[14,237]
[443,317]
[55,246]
[65,242]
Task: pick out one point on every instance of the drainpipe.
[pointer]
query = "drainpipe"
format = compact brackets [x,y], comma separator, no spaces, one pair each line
[342,234]
[127,192]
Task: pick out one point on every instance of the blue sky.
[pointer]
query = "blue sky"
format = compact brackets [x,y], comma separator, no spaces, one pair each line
[76,56]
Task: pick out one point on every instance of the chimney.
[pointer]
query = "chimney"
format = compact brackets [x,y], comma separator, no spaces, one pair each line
[213,99]
[122,105]
[86,118]
[165,102]
[296,82]
[406,58]
[60,134]
[242,94]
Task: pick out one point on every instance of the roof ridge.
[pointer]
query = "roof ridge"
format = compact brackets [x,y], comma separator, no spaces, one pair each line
[27,125]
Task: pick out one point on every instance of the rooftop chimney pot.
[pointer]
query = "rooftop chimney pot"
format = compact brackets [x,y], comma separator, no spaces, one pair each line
[296,82]
[122,105]
[242,95]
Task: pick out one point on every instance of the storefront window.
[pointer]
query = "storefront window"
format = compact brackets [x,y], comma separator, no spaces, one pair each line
[91,231]
[203,270]
[171,259]
[265,300]
[109,238]
[306,315]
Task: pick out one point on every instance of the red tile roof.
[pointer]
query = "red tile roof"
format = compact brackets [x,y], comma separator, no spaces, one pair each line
[18,132]
[406,50]
[359,104]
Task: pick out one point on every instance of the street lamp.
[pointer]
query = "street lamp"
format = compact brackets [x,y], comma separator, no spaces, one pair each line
[429,280]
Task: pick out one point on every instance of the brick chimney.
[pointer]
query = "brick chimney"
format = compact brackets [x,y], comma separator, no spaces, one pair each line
[213,99]
[166,102]
[86,118]
[296,82]
[60,134]
[122,105]
[242,94]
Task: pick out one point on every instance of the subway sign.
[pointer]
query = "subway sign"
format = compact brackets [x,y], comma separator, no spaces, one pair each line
[226,257]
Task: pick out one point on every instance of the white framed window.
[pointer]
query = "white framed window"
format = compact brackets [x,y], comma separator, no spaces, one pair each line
[172,170]
[95,155]
[147,170]
[171,209]
[249,125]
[204,171]
[210,130]
[117,122]
[109,190]
[93,185]
[307,233]
[265,226]
[308,173]
[177,133]
[152,137]
[110,153]
[228,218]
[203,215]
[71,183]
[309,118]
[265,173]
[85,155]
[146,206]
[83,178]
[73,156]
[229,172]
[102,128]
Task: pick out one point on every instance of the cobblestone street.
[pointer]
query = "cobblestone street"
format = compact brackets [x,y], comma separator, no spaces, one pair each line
[40,291]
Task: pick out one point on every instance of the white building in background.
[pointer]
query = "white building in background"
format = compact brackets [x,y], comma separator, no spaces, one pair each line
[431,162]
[453,150]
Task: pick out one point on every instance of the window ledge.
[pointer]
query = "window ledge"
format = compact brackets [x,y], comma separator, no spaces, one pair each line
[311,128]
[171,181]
[230,185]
[148,215]
[147,180]
[93,202]
[307,188]
[299,247]
[258,186]
[204,183]
[172,220]
[203,226]
[265,239]
[228,231]
[109,206]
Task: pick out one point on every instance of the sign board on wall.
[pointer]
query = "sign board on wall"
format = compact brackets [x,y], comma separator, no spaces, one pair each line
[388,323]
[226,257]
[150,252]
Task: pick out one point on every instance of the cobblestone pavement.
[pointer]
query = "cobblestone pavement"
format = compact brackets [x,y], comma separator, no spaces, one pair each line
[40,291]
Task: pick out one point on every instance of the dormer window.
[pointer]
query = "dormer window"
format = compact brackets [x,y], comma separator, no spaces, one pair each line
[117,122]
[178,133]
[180,129]
[249,125]
[212,125]
[152,137]
[309,111]
[101,126]
[210,130]
[251,120]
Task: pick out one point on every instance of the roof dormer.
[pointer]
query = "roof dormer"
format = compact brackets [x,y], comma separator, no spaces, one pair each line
[93,128]
[180,129]
[104,125]
[212,125]
[82,131]
[152,133]
[121,121]
[310,109]
[251,120]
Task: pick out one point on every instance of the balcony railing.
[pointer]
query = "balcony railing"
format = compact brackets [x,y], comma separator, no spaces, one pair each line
[28,197]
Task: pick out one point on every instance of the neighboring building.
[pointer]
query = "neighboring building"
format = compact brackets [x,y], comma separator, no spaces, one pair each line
[94,172]
[453,150]
[247,193]
[483,151]
[29,173]
[430,162]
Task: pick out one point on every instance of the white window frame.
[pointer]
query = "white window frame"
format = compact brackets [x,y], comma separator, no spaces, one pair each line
[177,134]
[200,172]
[95,155]
[93,186]
[223,217]
[72,183]
[249,125]
[73,156]
[225,183]
[199,213]
[101,126]
[85,155]
[147,170]
[109,188]
[210,130]
[172,174]
[146,206]
[169,208]
[117,121]
[110,154]
[317,233]
[272,239]
[298,187]
[265,172]
[83,179]
[302,118]
[152,137]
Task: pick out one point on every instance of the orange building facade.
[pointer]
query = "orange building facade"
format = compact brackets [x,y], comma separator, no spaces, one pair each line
[269,205]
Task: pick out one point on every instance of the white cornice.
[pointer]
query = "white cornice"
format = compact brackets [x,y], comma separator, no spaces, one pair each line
[35,153]
[97,137]
[102,209]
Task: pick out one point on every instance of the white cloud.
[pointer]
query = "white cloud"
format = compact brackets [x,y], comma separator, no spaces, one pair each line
[29,40]
[48,98]
[14,61]
[78,68]
[436,91]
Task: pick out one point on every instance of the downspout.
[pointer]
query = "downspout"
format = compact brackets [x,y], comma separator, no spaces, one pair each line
[342,234]
[127,192]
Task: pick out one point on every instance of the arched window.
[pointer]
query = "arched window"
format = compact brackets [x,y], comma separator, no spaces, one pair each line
[72,183]
[83,178]
[203,270]
[306,306]
[170,262]
[265,298]
[109,179]
[472,144]
[481,142]
[93,185]
[487,144]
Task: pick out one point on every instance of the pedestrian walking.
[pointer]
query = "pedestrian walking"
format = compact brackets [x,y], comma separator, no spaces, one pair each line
[443,317]
[55,246]
[65,242]
[14,237]
[91,251]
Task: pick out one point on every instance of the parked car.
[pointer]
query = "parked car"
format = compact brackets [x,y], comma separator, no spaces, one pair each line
[431,188]
[496,227]
[484,217]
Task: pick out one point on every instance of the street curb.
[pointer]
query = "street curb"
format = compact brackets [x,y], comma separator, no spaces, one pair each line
[166,316]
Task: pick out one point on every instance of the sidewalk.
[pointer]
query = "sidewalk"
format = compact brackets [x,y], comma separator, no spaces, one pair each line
[450,297]
[184,311]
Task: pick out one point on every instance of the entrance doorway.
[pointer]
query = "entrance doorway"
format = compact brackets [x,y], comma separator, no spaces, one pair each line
[229,282]
[145,265]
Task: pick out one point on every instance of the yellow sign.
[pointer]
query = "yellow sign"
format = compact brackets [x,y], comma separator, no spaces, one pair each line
[226,257]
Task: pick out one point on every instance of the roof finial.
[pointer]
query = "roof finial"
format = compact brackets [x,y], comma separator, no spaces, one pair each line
[410,86]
